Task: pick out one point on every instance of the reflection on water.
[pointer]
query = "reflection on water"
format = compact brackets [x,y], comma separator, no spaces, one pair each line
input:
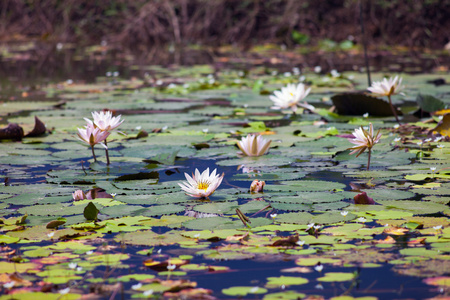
[27,71]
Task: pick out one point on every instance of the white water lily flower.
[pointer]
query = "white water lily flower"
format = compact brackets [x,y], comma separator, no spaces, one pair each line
[290,97]
[64,291]
[201,185]
[148,293]
[104,120]
[78,195]
[364,140]
[387,87]
[254,145]
[300,243]
[309,226]
[318,268]
[9,285]
[344,213]
[92,135]
[136,286]
[72,265]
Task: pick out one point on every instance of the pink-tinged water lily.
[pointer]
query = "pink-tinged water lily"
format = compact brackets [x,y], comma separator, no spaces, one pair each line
[201,185]
[388,87]
[254,145]
[364,140]
[92,136]
[78,195]
[290,97]
[105,120]
[257,186]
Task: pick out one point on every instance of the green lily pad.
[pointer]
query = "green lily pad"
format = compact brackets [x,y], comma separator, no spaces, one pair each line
[243,290]
[273,282]
[337,277]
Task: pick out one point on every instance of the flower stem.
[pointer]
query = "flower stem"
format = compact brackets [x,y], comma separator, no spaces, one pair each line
[368,159]
[393,110]
[93,153]
[107,153]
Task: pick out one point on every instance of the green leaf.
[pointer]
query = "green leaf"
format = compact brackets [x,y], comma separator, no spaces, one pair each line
[90,211]
[274,282]
[243,290]
[337,277]
[429,103]
[56,223]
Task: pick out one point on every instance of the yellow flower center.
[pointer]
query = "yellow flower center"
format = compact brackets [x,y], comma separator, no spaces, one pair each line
[203,185]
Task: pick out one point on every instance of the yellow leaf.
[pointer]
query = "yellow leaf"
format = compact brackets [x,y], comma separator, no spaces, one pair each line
[396,231]
[442,112]
[443,128]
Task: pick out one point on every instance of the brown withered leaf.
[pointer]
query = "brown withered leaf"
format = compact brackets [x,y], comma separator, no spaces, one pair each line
[18,280]
[162,265]
[297,270]
[54,224]
[363,199]
[289,241]
[199,293]
[12,132]
[97,193]
[91,296]
[38,130]
[244,237]
[419,241]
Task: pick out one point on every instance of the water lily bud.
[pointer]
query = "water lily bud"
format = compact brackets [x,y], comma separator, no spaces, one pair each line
[78,195]
[257,186]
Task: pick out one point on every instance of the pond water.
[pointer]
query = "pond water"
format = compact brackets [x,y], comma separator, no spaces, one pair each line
[150,240]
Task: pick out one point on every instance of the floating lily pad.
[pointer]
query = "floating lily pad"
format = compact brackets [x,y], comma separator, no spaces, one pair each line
[273,282]
[243,290]
[337,277]
[416,207]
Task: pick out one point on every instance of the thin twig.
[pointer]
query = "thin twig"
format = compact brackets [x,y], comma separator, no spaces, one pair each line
[93,153]
[107,153]
[82,167]
[393,110]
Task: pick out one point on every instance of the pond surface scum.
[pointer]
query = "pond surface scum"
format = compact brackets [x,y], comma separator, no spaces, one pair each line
[139,236]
